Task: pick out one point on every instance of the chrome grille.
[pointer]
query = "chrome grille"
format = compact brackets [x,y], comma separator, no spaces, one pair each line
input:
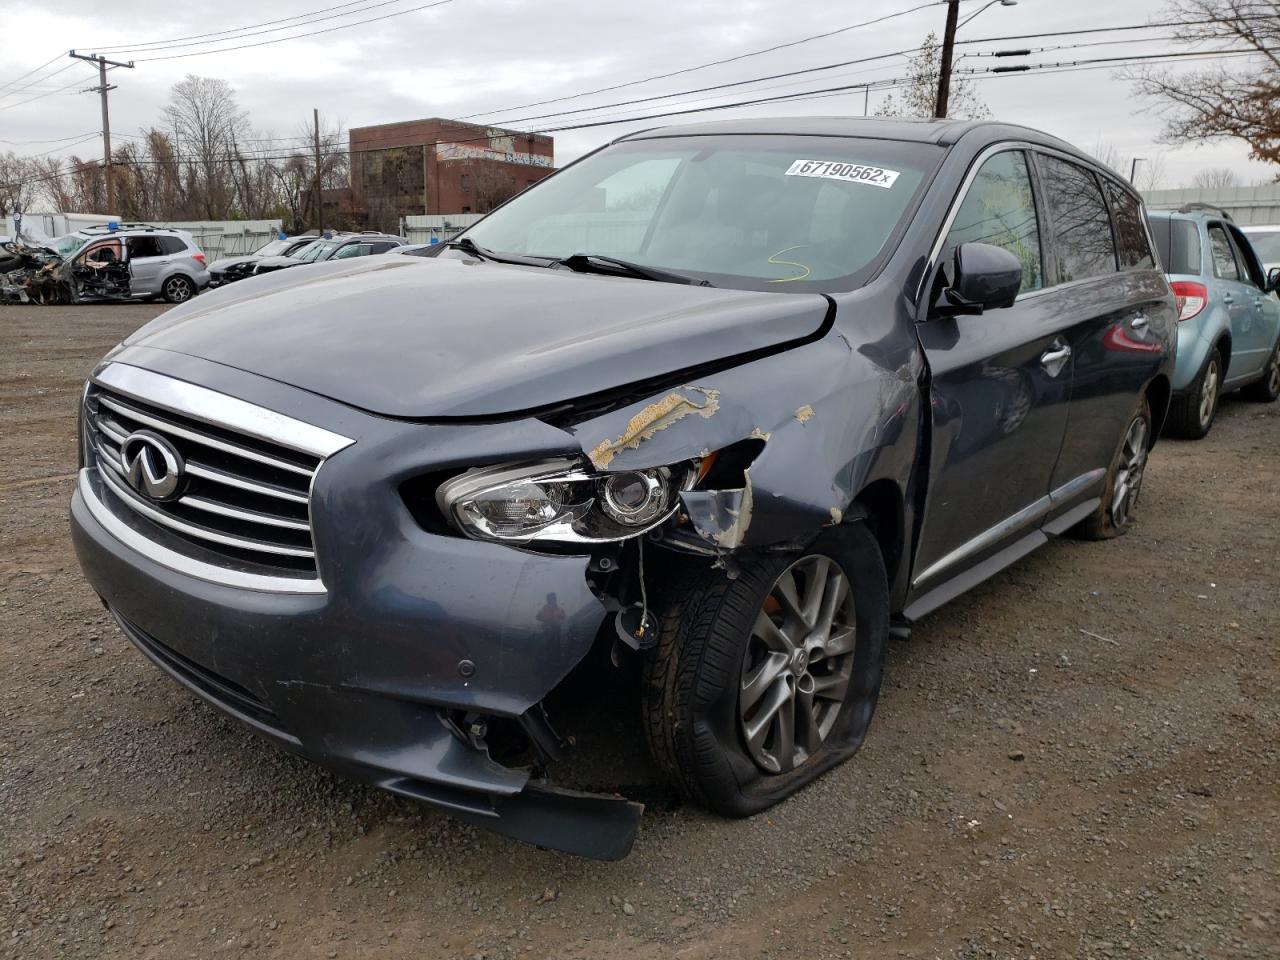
[245,502]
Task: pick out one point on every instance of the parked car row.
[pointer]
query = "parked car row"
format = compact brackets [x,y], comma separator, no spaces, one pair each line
[289,252]
[722,406]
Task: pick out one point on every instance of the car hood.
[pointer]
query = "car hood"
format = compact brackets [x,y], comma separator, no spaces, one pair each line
[442,337]
[226,262]
[275,263]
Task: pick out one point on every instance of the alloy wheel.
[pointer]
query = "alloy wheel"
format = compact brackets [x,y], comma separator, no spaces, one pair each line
[177,290]
[1133,461]
[798,664]
[1209,394]
[1273,371]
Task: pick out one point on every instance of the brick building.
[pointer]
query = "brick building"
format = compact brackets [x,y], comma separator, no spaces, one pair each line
[440,166]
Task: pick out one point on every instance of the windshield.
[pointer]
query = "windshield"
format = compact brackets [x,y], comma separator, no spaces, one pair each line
[273,249]
[315,251]
[69,244]
[755,212]
[1265,245]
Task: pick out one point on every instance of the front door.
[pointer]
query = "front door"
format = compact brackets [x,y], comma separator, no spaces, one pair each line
[999,390]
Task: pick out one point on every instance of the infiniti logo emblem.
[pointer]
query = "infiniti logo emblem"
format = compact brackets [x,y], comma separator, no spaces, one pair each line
[152,466]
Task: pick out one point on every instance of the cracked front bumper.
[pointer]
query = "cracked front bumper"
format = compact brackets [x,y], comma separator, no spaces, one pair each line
[410,630]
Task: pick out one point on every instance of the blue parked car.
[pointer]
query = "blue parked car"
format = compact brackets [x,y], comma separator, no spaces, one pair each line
[1228,320]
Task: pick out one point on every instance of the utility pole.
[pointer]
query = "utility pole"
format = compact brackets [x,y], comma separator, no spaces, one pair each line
[948,51]
[101,89]
[315,116]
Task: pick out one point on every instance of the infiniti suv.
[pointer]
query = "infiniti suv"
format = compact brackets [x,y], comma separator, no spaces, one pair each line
[717,406]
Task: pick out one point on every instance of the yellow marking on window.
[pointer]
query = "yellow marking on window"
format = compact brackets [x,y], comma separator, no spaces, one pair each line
[790,263]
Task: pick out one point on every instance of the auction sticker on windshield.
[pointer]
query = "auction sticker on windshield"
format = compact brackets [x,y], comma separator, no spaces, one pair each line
[849,172]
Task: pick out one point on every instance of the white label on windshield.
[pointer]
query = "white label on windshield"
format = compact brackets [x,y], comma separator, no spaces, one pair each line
[850,172]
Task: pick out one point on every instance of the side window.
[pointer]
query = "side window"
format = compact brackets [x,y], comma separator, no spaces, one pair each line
[351,250]
[172,245]
[1082,237]
[1224,260]
[1135,248]
[382,247]
[144,247]
[1250,268]
[1000,209]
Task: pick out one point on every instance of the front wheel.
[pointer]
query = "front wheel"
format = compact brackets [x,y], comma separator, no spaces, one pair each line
[1267,389]
[178,289]
[1114,515]
[761,683]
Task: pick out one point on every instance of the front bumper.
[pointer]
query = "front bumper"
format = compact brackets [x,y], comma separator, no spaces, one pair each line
[367,675]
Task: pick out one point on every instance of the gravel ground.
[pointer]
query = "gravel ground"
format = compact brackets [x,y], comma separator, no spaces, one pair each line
[1078,759]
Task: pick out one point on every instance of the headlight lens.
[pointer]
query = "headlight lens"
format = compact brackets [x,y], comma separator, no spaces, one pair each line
[561,502]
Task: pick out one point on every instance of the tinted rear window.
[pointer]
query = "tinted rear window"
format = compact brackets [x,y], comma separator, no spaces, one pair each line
[1080,219]
[1135,250]
[1179,244]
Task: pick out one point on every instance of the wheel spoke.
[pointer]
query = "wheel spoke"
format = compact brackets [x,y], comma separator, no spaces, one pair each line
[837,593]
[1122,491]
[808,735]
[771,635]
[784,747]
[815,589]
[832,686]
[758,727]
[841,641]
[786,592]
[759,680]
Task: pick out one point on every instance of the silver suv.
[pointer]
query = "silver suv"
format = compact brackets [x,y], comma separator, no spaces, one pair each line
[162,262]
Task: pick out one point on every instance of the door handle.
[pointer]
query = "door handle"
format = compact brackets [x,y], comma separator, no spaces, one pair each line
[1228,299]
[1054,359]
[1140,322]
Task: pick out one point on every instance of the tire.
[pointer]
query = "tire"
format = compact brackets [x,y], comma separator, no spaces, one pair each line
[693,699]
[1191,413]
[1114,516]
[1267,389]
[178,289]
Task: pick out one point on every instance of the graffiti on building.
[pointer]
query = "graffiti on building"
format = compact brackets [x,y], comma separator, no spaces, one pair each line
[469,151]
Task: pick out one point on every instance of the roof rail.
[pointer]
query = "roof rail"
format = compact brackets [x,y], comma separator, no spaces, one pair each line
[1197,207]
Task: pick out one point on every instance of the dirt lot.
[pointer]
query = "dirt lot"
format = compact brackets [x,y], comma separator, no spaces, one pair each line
[1029,789]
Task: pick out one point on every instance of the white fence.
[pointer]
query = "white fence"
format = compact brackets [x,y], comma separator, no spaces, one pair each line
[436,228]
[1247,205]
[226,238]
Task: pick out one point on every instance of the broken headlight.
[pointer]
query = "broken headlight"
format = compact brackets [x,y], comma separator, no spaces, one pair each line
[561,501]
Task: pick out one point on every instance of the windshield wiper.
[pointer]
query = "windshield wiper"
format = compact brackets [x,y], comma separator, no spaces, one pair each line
[596,263]
[467,245]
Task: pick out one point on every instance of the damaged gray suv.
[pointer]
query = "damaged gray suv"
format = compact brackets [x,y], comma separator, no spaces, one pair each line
[731,402]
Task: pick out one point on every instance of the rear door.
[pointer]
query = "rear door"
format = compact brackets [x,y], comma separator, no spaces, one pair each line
[999,388]
[1116,303]
[147,261]
[1259,334]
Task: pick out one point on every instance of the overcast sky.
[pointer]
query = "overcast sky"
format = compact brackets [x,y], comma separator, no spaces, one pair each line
[480,56]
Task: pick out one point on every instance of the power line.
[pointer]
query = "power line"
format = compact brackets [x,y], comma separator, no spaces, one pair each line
[47,76]
[220,33]
[704,66]
[20,103]
[298,36]
[74,136]
[47,63]
[258,33]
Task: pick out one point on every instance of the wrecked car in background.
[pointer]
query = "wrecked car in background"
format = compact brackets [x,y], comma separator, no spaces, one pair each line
[116,261]
[40,275]
[731,402]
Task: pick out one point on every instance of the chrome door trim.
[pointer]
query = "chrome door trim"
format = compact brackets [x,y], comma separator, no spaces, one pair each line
[182,563]
[1023,518]
[1079,485]
[220,409]
[988,538]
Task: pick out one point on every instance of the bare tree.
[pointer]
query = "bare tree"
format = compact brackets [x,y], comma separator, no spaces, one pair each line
[1241,102]
[1150,171]
[18,186]
[920,95]
[208,124]
[1217,178]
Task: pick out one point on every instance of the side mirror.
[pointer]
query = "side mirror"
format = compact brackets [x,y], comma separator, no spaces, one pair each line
[1273,280]
[984,277]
